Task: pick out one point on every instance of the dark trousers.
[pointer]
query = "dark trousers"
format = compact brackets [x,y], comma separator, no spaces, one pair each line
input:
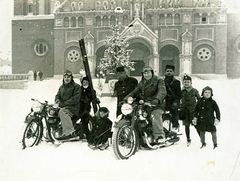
[175,117]
[187,131]
[214,137]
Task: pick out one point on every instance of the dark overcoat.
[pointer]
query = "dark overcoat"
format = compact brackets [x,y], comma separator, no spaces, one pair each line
[86,98]
[149,90]
[123,87]
[206,111]
[68,96]
[189,99]
[174,93]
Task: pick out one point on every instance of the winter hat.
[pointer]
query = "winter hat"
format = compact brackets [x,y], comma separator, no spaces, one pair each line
[207,88]
[105,110]
[67,72]
[170,67]
[120,69]
[84,78]
[187,77]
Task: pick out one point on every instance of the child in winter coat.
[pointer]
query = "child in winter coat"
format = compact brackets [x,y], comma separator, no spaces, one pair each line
[204,116]
[190,96]
[101,130]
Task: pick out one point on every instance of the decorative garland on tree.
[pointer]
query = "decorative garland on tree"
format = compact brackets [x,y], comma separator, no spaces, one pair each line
[116,54]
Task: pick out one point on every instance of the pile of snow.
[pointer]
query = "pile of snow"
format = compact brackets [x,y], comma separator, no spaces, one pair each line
[75,161]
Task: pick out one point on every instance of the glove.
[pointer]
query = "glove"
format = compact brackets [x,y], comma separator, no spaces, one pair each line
[98,101]
[216,122]
[194,121]
[154,102]
[61,104]
[174,105]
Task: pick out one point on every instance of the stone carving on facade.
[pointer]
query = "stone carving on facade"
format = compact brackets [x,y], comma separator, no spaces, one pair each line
[149,4]
[187,43]
[169,3]
[89,42]
[73,6]
[112,4]
[80,6]
[125,4]
[105,5]
[98,5]
[137,9]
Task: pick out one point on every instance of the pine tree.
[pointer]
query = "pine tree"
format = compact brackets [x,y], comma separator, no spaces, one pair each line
[116,53]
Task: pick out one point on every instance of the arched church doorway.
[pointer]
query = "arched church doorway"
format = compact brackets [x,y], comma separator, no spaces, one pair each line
[169,55]
[140,56]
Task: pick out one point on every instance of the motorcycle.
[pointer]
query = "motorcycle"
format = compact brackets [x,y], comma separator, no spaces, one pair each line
[133,129]
[43,121]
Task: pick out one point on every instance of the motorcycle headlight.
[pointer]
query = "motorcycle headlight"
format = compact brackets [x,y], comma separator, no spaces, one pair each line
[36,107]
[130,100]
[126,109]
[52,112]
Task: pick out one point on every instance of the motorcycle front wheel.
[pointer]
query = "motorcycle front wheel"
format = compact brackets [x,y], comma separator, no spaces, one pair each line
[31,133]
[125,141]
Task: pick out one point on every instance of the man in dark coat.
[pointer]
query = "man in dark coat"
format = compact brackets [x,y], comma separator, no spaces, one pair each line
[86,98]
[174,94]
[123,86]
[152,89]
[67,98]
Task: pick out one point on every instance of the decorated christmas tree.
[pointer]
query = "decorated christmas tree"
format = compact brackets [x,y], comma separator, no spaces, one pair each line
[116,53]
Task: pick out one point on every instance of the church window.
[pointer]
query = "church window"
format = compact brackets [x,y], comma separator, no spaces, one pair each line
[161,19]
[204,54]
[204,18]
[41,48]
[73,55]
[196,18]
[149,19]
[80,22]
[169,20]
[177,19]
[98,21]
[73,22]
[66,22]
[113,20]
[105,21]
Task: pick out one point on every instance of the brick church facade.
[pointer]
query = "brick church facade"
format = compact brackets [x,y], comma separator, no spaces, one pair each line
[198,37]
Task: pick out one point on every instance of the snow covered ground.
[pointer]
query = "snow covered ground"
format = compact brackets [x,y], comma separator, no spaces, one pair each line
[75,161]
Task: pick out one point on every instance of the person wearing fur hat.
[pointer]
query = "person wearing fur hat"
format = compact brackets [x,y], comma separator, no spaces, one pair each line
[207,116]
[101,131]
[123,87]
[85,104]
[174,94]
[67,98]
[190,96]
[152,89]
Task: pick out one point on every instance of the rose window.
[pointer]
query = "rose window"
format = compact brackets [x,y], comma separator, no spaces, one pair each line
[204,54]
[73,55]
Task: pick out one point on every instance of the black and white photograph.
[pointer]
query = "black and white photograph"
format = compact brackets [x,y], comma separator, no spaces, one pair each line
[119,90]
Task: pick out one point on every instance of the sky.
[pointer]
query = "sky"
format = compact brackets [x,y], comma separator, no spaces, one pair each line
[6,15]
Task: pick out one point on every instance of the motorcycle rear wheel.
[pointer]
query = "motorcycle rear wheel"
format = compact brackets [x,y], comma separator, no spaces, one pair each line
[32,134]
[125,144]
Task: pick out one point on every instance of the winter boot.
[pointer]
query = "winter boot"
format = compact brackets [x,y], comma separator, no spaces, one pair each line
[188,142]
[203,145]
[215,146]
